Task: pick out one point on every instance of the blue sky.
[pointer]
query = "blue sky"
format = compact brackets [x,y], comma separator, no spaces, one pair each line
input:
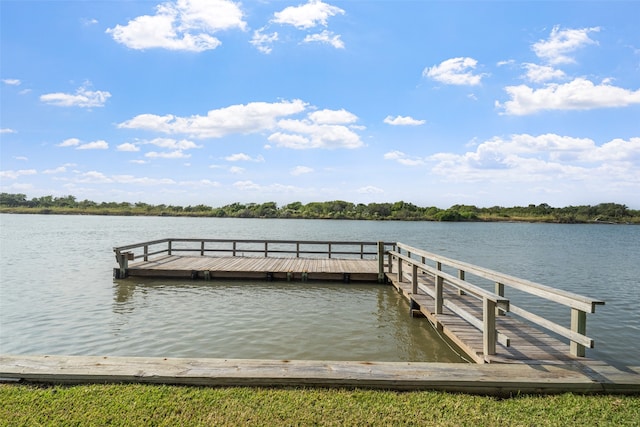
[213,101]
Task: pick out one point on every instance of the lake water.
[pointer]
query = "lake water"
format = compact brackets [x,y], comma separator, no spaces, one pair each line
[57,295]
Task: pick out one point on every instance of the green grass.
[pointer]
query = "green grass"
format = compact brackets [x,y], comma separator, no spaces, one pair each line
[87,405]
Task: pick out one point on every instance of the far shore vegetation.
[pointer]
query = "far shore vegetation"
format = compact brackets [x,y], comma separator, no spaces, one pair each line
[336,209]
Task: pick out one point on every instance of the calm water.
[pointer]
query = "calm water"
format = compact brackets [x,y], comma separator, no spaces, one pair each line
[57,295]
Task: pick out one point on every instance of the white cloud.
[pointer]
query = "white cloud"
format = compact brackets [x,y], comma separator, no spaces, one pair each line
[236,170]
[325,37]
[403,158]
[242,157]
[262,41]
[301,170]
[321,129]
[542,73]
[370,189]
[309,15]
[130,179]
[95,145]
[96,177]
[303,134]
[127,146]
[173,144]
[548,157]
[290,140]
[617,150]
[246,185]
[71,142]
[7,130]
[93,177]
[202,183]
[181,25]
[455,71]
[403,121]
[506,62]
[11,174]
[21,158]
[82,98]
[18,187]
[561,43]
[11,82]
[244,119]
[177,154]
[59,169]
[579,94]
[323,117]
[267,189]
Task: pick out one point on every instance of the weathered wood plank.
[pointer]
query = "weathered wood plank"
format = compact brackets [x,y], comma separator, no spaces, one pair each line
[483,379]
[329,269]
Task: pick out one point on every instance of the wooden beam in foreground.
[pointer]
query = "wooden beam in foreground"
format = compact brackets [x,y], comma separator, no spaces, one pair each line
[490,379]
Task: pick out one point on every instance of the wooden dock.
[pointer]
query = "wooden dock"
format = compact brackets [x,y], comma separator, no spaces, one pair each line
[486,325]
[515,350]
[253,259]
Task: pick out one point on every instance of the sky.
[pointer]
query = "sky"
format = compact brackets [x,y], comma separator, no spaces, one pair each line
[436,103]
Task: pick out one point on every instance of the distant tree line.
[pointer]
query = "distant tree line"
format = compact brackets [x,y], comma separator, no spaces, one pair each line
[336,209]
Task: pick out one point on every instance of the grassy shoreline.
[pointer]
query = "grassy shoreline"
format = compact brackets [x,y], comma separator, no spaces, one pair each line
[135,404]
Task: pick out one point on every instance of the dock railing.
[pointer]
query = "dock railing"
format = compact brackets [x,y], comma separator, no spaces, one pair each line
[250,248]
[491,302]
[495,303]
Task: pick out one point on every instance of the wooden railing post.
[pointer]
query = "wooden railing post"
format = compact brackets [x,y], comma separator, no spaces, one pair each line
[414,279]
[461,277]
[202,248]
[146,252]
[169,248]
[499,289]
[488,326]
[579,325]
[123,264]
[390,262]
[266,249]
[399,270]
[329,250]
[439,281]
[297,249]
[380,262]
[234,248]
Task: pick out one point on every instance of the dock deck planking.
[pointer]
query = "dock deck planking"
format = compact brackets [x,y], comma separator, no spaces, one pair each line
[239,267]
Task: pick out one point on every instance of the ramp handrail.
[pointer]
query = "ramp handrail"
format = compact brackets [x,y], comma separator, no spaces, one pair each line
[580,305]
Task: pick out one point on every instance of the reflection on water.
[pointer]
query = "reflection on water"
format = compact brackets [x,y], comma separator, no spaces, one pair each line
[276,320]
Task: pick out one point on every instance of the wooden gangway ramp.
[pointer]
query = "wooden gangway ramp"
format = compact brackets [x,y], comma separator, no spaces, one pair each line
[486,324]
[487,314]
